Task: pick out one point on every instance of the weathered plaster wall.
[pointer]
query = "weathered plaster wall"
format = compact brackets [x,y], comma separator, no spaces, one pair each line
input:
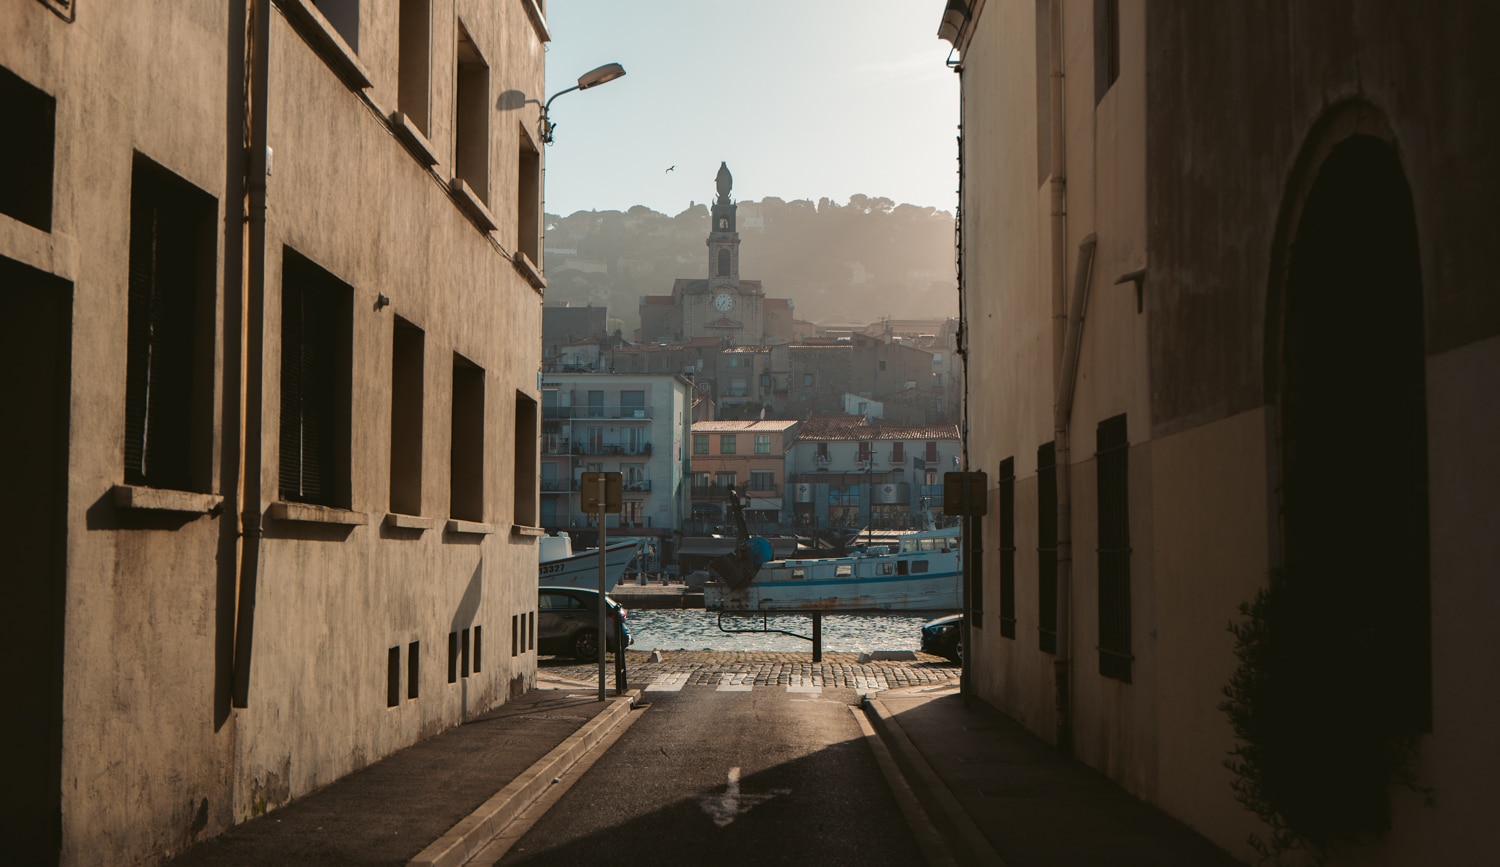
[153,756]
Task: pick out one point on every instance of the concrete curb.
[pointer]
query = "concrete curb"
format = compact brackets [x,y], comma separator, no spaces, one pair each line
[965,841]
[464,840]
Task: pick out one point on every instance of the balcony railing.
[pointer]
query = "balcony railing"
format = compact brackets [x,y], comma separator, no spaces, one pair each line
[564,486]
[611,413]
[586,447]
[612,522]
[762,488]
[637,486]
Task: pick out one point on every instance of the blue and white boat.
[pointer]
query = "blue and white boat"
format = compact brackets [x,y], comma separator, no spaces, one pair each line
[559,566]
[919,570]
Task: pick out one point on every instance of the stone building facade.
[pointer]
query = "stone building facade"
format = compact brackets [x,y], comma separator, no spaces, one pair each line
[1230,329]
[272,266]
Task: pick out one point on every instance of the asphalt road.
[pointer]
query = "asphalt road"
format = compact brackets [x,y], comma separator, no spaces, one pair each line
[758,776]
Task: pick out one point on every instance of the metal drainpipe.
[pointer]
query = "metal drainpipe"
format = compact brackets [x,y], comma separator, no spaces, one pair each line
[252,350]
[1062,661]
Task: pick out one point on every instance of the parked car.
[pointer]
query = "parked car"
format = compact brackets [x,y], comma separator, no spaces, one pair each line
[944,637]
[568,622]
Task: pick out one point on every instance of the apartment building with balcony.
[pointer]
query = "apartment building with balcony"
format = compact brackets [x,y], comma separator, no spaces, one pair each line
[751,455]
[847,471]
[271,272]
[636,425]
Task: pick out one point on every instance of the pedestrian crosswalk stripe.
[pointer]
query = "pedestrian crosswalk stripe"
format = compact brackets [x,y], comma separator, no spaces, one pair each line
[669,682]
[731,682]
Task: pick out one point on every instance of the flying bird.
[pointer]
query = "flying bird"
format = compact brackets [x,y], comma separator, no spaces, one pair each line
[669,168]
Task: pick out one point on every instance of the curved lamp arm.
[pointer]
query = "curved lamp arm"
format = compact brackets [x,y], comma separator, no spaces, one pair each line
[593,78]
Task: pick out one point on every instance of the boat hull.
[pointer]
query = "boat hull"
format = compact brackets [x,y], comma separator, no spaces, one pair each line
[938,593]
[925,574]
[582,569]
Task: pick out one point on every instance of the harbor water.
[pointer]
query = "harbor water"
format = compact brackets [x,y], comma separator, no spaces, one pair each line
[696,629]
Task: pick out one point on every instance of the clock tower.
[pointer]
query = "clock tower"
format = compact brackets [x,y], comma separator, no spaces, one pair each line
[722,306]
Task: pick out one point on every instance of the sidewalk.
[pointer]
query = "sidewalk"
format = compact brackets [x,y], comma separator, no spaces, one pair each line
[997,794]
[480,773]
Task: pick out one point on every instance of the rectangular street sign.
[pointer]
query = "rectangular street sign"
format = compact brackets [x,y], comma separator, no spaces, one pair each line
[589,488]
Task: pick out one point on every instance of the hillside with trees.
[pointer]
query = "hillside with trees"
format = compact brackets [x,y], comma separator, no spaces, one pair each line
[853,263]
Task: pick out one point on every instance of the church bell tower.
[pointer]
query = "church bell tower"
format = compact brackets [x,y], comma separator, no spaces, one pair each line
[723,239]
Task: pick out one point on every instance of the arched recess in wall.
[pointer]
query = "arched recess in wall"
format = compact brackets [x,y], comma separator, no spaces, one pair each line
[723,263]
[1346,370]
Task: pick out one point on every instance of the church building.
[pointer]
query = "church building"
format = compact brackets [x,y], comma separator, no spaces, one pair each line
[723,305]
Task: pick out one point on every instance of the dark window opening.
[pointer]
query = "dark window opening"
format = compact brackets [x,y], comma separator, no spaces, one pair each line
[463,653]
[408,353]
[529,200]
[315,384]
[515,634]
[471,139]
[478,647]
[524,467]
[1106,46]
[26,151]
[453,657]
[723,263]
[1046,547]
[344,16]
[1008,548]
[1043,91]
[1113,486]
[466,445]
[414,87]
[169,359]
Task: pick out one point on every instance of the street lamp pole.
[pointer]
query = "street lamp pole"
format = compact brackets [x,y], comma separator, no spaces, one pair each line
[593,78]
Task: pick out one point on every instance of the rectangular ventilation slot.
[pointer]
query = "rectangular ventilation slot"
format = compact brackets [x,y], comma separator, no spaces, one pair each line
[478,647]
[413,669]
[515,634]
[453,657]
[463,654]
[393,677]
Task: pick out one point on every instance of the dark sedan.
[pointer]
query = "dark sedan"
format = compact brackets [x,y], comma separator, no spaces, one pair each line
[568,622]
[944,637]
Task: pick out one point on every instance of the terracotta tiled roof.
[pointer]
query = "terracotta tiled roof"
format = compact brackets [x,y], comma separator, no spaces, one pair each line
[767,424]
[836,428]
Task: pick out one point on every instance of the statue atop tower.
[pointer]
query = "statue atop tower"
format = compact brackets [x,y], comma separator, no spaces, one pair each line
[725,182]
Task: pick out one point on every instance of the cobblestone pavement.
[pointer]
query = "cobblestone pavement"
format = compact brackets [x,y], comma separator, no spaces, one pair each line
[762,668]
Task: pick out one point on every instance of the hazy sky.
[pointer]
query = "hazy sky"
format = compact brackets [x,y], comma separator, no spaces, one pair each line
[803,99]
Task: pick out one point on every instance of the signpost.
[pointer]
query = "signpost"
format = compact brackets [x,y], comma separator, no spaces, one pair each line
[967,494]
[601,494]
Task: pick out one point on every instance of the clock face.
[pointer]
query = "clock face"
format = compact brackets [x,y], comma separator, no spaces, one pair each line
[723,301]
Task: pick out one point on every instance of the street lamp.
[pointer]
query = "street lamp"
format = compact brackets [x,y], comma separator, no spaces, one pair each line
[593,78]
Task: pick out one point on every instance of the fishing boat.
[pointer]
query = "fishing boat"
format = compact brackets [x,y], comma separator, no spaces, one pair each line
[918,570]
[560,566]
